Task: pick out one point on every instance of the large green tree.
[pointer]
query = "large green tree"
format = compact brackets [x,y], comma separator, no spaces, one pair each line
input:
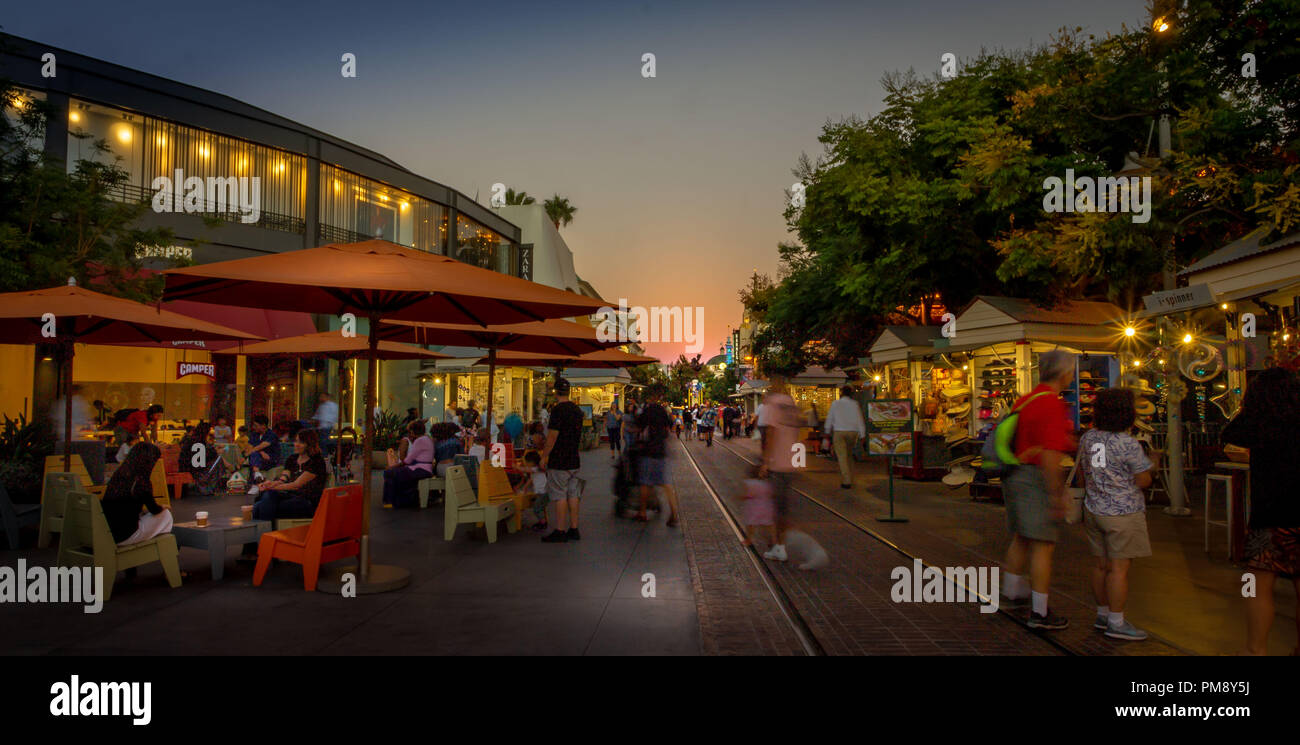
[940,197]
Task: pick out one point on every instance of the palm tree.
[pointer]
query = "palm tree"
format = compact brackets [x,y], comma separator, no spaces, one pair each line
[559,210]
[518,197]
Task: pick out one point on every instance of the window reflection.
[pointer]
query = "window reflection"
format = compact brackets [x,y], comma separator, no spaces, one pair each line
[354,208]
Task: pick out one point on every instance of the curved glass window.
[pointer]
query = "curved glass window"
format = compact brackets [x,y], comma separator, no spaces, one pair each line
[355,208]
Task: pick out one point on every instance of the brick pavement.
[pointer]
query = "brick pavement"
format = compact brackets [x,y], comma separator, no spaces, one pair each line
[847,605]
[736,611]
[1180,595]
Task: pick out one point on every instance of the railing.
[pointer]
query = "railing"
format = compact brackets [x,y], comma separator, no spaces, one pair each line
[266,220]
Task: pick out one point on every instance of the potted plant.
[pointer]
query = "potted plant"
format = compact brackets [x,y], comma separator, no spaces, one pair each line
[389,431]
[23,447]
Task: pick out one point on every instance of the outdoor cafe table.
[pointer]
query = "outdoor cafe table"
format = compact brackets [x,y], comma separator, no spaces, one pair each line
[219,533]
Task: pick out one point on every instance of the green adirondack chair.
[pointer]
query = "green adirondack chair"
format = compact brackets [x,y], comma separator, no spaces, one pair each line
[87,541]
[54,494]
[462,506]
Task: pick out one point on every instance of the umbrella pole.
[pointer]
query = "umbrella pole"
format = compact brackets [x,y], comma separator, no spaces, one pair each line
[69,351]
[338,423]
[492,377]
[372,392]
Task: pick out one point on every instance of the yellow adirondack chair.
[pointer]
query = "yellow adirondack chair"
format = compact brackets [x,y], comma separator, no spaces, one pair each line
[463,506]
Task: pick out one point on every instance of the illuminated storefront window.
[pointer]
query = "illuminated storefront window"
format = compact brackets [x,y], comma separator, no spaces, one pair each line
[484,247]
[147,148]
[354,208]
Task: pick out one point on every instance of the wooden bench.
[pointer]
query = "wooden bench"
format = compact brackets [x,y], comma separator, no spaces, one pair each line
[86,540]
[463,506]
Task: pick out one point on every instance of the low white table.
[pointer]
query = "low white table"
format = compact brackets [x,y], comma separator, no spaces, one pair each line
[217,535]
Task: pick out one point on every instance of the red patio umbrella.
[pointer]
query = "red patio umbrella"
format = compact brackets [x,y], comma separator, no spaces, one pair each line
[72,314]
[336,346]
[376,280]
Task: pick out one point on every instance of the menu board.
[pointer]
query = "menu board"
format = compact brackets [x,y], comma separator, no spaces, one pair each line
[889,426]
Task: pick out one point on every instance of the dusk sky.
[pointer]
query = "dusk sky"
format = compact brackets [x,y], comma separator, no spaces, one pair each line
[678,179]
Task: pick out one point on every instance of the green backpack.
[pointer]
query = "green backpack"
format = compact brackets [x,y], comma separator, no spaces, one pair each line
[998,453]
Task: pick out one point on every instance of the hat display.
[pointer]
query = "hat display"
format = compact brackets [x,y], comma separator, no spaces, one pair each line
[958,410]
[1143,388]
[1144,425]
[1145,407]
[955,392]
[959,476]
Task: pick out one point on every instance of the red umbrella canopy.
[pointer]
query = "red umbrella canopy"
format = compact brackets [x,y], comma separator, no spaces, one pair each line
[603,358]
[375,278]
[95,318]
[553,336]
[334,345]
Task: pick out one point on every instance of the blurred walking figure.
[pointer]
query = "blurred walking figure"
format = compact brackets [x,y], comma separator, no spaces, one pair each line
[1115,471]
[1268,425]
[779,422]
[844,425]
[759,511]
[1034,491]
[652,471]
[613,424]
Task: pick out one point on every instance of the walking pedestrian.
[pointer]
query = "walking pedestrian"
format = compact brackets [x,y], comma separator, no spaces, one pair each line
[779,424]
[844,425]
[1115,471]
[1267,424]
[1034,491]
[652,471]
[628,425]
[613,425]
[561,462]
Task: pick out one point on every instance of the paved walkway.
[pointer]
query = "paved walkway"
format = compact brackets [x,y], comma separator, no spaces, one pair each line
[1189,599]
[515,597]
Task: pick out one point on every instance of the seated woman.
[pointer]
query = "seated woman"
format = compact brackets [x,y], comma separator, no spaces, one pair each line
[296,492]
[207,470]
[403,474]
[446,446]
[129,491]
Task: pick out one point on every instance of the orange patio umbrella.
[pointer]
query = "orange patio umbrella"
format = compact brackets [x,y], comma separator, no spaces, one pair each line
[554,336]
[605,358]
[377,280]
[336,346]
[68,315]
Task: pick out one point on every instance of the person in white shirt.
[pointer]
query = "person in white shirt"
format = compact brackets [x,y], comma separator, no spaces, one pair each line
[81,417]
[844,425]
[327,413]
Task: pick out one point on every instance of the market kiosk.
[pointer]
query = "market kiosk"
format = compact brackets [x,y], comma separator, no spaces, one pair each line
[998,340]
[901,368]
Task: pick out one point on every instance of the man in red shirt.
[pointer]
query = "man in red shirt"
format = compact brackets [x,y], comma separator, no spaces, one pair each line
[1034,491]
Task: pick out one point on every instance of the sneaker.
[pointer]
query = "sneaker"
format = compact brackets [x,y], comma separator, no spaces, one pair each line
[1049,622]
[254,490]
[776,553]
[1101,624]
[573,534]
[1126,631]
[556,536]
[540,527]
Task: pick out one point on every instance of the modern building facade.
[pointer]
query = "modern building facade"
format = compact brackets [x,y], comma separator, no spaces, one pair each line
[272,184]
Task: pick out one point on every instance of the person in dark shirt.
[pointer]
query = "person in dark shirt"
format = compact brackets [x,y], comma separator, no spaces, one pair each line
[1269,425]
[561,463]
[296,492]
[129,491]
[654,424]
[263,452]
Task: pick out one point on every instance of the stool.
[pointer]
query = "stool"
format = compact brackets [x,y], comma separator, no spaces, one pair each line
[1226,480]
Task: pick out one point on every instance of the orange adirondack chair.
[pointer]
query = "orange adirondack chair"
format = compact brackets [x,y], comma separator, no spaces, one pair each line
[176,478]
[334,533]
